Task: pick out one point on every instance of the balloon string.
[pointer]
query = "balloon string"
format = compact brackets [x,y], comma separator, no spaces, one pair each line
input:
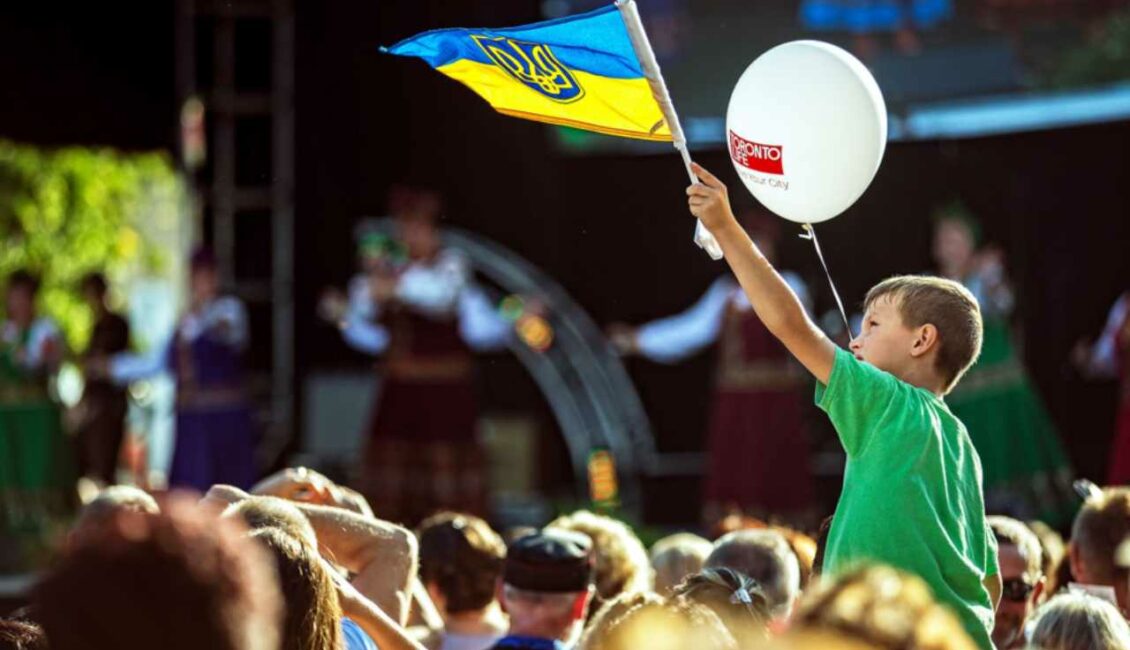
[810,233]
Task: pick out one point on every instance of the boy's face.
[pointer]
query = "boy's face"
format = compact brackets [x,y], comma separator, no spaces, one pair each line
[885,342]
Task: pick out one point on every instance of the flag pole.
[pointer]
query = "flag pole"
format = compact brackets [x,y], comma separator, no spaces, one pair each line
[642,46]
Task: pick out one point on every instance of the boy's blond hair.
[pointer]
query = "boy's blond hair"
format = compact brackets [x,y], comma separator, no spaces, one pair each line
[946,305]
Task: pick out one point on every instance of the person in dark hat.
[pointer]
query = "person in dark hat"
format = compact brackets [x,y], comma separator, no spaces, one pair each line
[547,585]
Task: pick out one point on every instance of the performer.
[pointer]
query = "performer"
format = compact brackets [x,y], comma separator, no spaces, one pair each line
[420,314]
[215,439]
[1026,472]
[757,447]
[1110,357]
[102,410]
[36,473]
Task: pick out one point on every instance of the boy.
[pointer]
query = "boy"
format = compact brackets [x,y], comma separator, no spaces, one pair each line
[912,486]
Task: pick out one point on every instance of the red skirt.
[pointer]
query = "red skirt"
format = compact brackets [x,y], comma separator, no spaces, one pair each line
[422,455]
[758,453]
[1119,473]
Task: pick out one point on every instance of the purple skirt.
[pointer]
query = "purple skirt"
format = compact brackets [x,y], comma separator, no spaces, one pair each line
[213,446]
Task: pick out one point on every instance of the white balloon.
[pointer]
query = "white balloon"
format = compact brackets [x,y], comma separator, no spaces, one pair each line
[806,127]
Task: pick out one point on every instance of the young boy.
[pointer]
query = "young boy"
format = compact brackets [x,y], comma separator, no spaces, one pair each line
[912,486]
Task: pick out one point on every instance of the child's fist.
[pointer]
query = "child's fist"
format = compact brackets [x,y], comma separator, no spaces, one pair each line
[709,201]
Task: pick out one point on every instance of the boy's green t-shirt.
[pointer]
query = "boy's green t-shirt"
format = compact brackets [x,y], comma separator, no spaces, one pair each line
[912,489]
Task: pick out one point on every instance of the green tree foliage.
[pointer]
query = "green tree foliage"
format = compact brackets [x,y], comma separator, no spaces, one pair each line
[66,212]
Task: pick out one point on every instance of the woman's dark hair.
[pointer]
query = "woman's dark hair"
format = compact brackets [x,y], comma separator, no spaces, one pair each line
[463,557]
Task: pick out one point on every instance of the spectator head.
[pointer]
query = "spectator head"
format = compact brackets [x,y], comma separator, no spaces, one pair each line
[21,635]
[1077,621]
[179,580]
[1022,574]
[109,502]
[610,614]
[879,608]
[1100,526]
[765,556]
[675,557]
[736,598]
[922,301]
[622,564]
[671,625]
[313,614]
[21,291]
[461,560]
[547,583]
[1052,548]
[258,513]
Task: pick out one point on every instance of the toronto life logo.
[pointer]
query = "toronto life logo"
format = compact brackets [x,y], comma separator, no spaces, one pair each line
[532,64]
[764,158]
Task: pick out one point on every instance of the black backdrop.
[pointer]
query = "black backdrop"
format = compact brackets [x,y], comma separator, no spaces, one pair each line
[613,230]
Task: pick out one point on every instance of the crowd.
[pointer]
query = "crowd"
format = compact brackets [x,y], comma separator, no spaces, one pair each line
[301,563]
[918,555]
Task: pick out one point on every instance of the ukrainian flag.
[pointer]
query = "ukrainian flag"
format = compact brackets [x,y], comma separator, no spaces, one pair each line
[578,71]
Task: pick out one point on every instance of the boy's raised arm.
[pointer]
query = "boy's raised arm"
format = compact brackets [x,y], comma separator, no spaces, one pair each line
[775,303]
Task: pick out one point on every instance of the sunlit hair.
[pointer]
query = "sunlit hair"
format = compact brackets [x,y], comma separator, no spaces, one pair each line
[671,625]
[946,305]
[1099,528]
[1076,621]
[677,556]
[178,580]
[881,607]
[21,635]
[622,564]
[1010,531]
[609,615]
[313,614]
[740,603]
[1052,548]
[270,512]
[765,556]
[463,557]
[117,498]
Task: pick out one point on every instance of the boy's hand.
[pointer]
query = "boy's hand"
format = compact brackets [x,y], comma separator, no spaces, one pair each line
[709,200]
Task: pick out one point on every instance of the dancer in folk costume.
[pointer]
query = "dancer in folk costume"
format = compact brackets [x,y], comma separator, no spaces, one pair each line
[757,447]
[422,316]
[1110,357]
[1026,472]
[215,437]
[36,470]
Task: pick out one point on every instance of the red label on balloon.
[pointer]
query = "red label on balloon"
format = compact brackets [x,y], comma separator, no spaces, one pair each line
[765,158]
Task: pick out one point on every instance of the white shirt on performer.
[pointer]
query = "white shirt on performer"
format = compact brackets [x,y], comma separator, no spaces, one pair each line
[672,339]
[225,318]
[41,331]
[440,290]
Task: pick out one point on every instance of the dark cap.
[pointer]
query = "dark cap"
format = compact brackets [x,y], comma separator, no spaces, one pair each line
[550,561]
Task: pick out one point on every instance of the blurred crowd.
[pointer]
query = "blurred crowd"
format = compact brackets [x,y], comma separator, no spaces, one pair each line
[299,562]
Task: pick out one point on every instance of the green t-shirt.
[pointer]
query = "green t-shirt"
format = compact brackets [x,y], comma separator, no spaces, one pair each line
[912,489]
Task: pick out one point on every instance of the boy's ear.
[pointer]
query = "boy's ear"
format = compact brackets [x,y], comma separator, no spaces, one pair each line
[925,339]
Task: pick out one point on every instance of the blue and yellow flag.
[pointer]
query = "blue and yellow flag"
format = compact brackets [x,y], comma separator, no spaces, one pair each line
[578,71]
